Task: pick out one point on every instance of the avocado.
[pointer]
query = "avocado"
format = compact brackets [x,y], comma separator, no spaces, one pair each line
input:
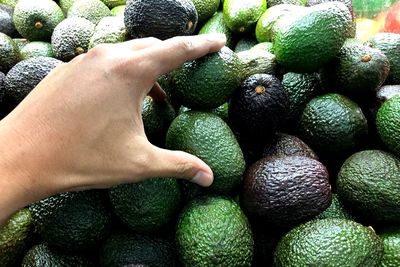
[357,71]
[216,24]
[37,49]
[245,43]
[386,92]
[388,124]
[131,249]
[148,205]
[2,88]
[300,89]
[221,111]
[242,16]
[21,42]
[391,243]
[157,117]
[160,19]
[329,242]
[42,255]
[335,211]
[389,44]
[109,30]
[258,107]
[257,61]
[272,3]
[118,11]
[11,3]
[208,82]
[312,38]
[9,53]
[71,38]
[72,221]
[36,20]
[65,5]
[285,191]
[368,184]
[206,8]
[6,21]
[114,3]
[15,238]
[92,10]
[214,231]
[264,46]
[25,75]
[332,125]
[201,134]
[288,145]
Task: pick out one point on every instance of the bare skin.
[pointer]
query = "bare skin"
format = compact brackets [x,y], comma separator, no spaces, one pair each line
[81,127]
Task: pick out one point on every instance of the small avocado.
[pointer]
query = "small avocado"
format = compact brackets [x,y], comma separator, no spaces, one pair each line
[37,49]
[391,243]
[214,231]
[114,3]
[257,61]
[202,134]
[65,5]
[258,107]
[6,21]
[288,145]
[285,191]
[36,20]
[109,30]
[9,53]
[25,75]
[242,16]
[329,242]
[208,82]
[72,221]
[146,206]
[160,19]
[216,24]
[118,11]
[206,8]
[71,38]
[388,124]
[132,249]
[368,184]
[335,211]
[15,238]
[92,10]
[43,255]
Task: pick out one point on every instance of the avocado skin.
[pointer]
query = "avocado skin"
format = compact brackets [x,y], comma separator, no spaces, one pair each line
[160,19]
[126,248]
[72,221]
[287,190]
[92,10]
[2,87]
[6,21]
[335,211]
[214,231]
[288,145]
[202,134]
[9,53]
[368,185]
[329,242]
[391,242]
[216,24]
[15,238]
[42,255]
[25,75]
[255,114]
[256,61]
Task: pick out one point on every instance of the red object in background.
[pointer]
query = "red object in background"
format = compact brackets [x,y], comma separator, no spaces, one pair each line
[392,21]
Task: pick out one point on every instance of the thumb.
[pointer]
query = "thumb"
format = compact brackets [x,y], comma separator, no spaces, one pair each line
[179,164]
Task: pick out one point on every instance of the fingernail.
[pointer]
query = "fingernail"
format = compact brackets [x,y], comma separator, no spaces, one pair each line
[202,178]
[216,37]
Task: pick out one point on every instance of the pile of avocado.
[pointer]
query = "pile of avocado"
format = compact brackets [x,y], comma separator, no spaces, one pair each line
[298,119]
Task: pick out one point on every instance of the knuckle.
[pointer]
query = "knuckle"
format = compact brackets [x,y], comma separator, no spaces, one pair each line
[183,167]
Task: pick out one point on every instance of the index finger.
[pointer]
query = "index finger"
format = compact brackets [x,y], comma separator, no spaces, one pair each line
[171,53]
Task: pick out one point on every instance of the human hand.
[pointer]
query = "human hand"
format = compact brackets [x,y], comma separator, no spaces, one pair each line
[81,127]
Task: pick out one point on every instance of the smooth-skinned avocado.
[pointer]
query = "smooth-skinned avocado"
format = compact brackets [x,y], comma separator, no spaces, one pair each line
[15,238]
[242,16]
[131,249]
[208,82]
[72,221]
[148,205]
[160,19]
[42,255]
[25,75]
[388,124]
[308,40]
[71,38]
[202,134]
[258,107]
[368,184]
[36,20]
[92,10]
[9,53]
[285,191]
[214,231]
[329,242]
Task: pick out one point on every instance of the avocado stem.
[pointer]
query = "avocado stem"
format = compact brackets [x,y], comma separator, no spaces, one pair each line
[189,25]
[79,50]
[242,29]
[38,25]
[260,89]
[366,58]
